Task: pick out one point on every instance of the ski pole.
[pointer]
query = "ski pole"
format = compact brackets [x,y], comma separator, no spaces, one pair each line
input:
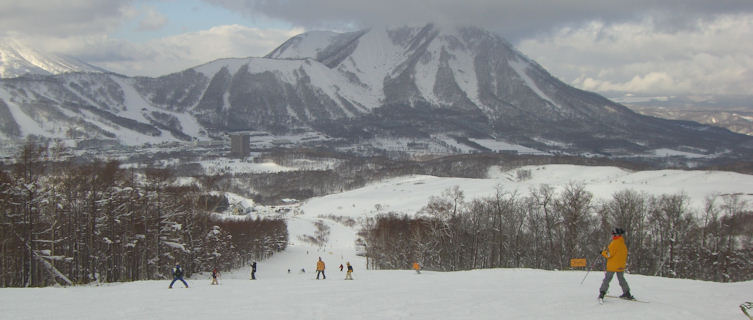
[589,269]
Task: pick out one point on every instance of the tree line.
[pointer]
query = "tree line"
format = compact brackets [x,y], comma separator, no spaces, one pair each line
[74,223]
[545,229]
[348,171]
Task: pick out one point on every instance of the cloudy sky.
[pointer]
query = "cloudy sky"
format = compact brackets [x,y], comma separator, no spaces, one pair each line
[643,47]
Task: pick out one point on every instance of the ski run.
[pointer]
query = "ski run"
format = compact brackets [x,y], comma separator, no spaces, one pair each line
[286,285]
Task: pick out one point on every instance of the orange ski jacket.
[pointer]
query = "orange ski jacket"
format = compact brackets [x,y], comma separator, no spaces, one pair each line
[616,254]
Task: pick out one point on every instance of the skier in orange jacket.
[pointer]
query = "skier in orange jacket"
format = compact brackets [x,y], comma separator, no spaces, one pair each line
[616,256]
[417,267]
[320,269]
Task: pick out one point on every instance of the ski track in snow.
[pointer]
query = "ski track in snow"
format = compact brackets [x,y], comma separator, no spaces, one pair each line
[401,294]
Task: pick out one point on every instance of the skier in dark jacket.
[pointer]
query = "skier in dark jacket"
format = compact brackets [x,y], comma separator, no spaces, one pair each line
[215,275]
[178,275]
[253,271]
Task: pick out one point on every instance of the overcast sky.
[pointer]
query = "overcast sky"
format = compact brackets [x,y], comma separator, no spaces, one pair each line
[644,47]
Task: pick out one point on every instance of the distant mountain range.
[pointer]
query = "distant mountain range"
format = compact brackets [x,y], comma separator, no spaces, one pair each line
[429,87]
[733,112]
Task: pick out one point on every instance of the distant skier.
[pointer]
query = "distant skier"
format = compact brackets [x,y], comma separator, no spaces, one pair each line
[320,269]
[253,271]
[616,256]
[215,275]
[341,267]
[348,275]
[178,275]
[417,267]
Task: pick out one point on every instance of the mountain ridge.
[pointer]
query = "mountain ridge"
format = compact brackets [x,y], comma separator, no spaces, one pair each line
[17,59]
[418,83]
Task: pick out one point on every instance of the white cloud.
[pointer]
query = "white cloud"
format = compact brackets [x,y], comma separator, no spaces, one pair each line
[62,18]
[653,82]
[513,19]
[176,53]
[714,57]
[152,20]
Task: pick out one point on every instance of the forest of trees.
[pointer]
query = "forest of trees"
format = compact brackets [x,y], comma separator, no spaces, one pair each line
[545,229]
[348,171]
[71,223]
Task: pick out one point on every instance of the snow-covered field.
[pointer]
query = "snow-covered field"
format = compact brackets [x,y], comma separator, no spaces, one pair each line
[478,294]
[408,194]
[225,165]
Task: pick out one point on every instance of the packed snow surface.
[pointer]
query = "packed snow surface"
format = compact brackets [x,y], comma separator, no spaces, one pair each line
[284,291]
[478,294]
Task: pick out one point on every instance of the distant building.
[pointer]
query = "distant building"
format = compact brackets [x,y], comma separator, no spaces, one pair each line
[240,144]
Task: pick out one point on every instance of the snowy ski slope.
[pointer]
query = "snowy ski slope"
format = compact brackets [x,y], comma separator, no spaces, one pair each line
[402,294]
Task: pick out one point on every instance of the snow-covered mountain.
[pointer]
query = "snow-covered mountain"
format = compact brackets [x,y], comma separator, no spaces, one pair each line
[429,84]
[17,59]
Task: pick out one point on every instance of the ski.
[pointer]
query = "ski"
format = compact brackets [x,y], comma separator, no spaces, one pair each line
[746,307]
[633,300]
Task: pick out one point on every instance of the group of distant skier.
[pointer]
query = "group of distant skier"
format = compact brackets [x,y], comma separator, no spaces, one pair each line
[178,273]
[320,270]
[615,254]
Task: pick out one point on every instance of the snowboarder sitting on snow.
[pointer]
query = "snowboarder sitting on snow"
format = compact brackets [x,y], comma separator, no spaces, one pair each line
[348,275]
[215,274]
[616,256]
[320,269]
[178,275]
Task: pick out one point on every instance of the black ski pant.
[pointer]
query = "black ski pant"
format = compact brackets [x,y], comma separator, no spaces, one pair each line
[608,278]
[320,272]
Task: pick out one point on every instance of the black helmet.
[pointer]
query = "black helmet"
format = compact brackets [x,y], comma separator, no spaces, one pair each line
[618,231]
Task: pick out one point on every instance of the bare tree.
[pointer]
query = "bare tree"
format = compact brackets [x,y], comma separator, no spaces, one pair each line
[574,206]
[671,220]
[544,199]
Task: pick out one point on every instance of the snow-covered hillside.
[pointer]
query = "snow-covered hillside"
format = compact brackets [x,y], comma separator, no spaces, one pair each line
[408,194]
[283,291]
[17,59]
